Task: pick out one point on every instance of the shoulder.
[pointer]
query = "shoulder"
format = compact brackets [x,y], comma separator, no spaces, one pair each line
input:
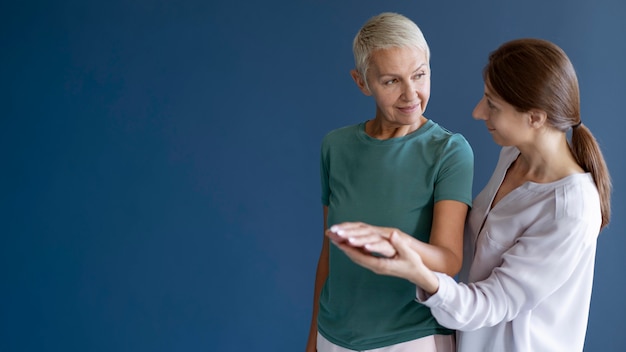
[341,134]
[341,140]
[341,131]
[444,138]
[577,197]
[571,205]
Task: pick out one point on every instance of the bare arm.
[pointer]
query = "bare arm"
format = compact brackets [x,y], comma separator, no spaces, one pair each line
[443,253]
[320,278]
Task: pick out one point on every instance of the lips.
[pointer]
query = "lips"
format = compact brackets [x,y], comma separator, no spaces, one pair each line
[409,109]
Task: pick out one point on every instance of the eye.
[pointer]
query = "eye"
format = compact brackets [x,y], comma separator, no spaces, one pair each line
[490,104]
[390,82]
[419,75]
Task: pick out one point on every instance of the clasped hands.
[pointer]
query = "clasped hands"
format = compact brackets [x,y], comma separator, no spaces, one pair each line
[383,250]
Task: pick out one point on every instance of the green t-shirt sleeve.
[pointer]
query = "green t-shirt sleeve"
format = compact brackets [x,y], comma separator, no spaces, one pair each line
[455,178]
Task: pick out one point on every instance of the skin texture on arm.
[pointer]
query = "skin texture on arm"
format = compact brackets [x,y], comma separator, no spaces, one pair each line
[444,252]
[320,277]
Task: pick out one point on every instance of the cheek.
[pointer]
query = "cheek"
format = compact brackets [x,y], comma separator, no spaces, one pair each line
[384,98]
[424,91]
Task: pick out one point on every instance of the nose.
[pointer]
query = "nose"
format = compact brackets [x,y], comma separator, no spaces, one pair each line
[479,110]
[410,91]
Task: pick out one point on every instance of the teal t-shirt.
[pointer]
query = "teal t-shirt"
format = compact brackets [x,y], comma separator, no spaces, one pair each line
[391,183]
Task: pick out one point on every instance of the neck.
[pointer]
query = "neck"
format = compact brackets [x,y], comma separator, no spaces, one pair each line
[547,159]
[379,129]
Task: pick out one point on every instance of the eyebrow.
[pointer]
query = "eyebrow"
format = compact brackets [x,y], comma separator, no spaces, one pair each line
[493,98]
[423,65]
[490,96]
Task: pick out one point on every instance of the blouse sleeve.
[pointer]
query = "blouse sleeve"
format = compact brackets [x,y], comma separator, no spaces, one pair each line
[538,264]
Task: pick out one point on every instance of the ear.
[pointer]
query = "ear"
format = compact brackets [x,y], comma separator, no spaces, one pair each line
[360,82]
[537,118]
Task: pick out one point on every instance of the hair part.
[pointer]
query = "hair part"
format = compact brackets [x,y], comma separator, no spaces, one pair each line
[384,31]
[537,74]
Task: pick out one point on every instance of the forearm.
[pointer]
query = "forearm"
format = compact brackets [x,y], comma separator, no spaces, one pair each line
[426,280]
[321,275]
[444,253]
[438,258]
[320,279]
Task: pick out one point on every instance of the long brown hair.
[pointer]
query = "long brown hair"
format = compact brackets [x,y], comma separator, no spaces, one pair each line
[537,74]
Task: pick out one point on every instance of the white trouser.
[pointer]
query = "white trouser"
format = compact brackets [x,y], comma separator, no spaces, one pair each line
[432,343]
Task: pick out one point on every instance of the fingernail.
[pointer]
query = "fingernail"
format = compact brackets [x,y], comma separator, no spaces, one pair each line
[336,230]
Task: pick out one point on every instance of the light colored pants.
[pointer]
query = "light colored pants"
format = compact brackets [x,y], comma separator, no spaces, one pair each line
[433,343]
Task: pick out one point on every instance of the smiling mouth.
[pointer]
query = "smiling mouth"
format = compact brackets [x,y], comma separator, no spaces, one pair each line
[411,108]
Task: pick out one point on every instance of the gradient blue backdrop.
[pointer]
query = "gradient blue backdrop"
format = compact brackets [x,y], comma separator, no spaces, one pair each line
[160,183]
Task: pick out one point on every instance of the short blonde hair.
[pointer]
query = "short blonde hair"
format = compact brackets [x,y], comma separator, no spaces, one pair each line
[386,30]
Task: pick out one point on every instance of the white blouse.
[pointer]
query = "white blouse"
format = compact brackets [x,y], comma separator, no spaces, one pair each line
[532,260]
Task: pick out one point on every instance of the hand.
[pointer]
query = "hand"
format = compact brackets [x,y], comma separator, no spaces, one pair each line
[371,239]
[406,264]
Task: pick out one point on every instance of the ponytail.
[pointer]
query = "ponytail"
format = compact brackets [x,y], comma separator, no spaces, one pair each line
[588,155]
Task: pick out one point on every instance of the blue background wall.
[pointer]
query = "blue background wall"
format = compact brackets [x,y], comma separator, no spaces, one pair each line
[159,161]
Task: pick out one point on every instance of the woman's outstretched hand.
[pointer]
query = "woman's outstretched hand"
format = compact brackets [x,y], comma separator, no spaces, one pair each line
[398,259]
[369,239]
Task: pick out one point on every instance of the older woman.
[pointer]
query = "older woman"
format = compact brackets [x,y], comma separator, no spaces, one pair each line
[398,169]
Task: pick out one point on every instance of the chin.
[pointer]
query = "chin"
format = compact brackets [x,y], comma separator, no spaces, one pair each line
[502,143]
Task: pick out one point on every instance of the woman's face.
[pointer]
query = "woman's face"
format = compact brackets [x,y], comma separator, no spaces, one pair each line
[507,125]
[399,81]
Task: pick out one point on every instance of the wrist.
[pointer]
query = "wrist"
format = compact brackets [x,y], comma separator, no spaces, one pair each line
[433,284]
[428,282]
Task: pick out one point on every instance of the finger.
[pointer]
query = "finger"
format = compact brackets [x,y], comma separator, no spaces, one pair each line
[355,231]
[401,244]
[364,240]
[382,248]
[378,265]
[333,236]
[353,241]
[359,257]
[347,226]
[362,231]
